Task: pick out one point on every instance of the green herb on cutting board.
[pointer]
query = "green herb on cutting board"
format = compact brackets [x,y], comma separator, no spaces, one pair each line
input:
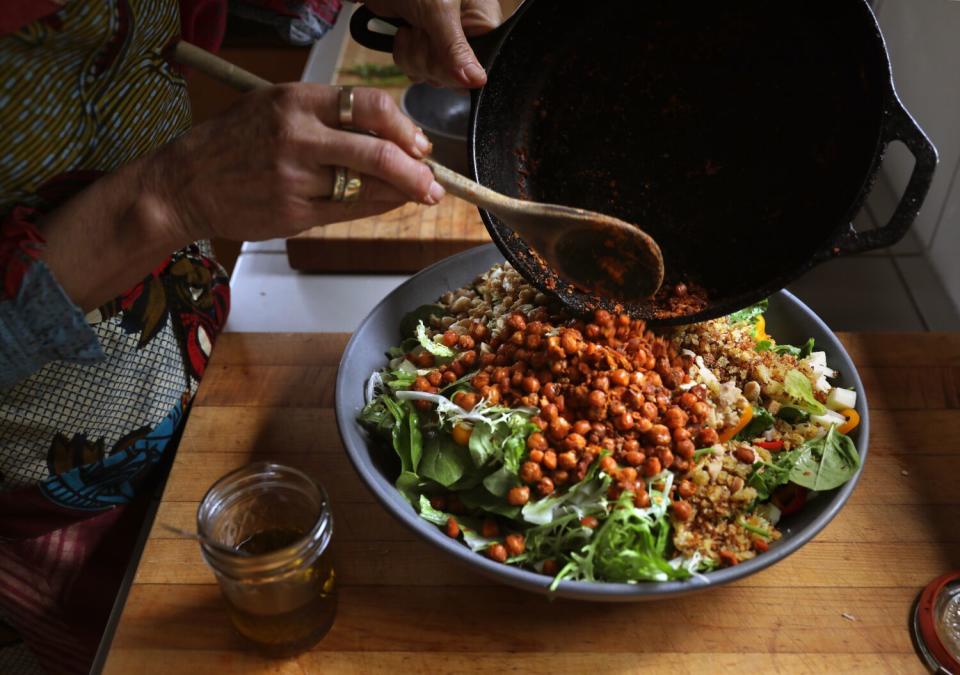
[383,74]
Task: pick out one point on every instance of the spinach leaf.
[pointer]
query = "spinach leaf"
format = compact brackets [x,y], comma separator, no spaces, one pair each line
[798,387]
[748,314]
[407,440]
[500,481]
[443,460]
[768,476]
[408,324]
[792,415]
[482,449]
[826,463]
[409,485]
[431,345]
[479,498]
[760,422]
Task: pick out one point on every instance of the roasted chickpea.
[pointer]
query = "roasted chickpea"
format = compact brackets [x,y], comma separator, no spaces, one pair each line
[659,435]
[643,425]
[466,342]
[497,552]
[634,457]
[465,400]
[549,412]
[666,456]
[581,427]
[450,338]
[601,383]
[675,418]
[608,464]
[423,360]
[438,502]
[515,544]
[561,477]
[530,472]
[423,406]
[569,342]
[680,434]
[478,331]
[559,428]
[518,496]
[461,434]
[545,487]
[567,460]
[641,499]
[449,377]
[434,378]
[574,442]
[421,384]
[686,489]
[686,449]
[589,521]
[651,467]
[550,567]
[682,510]
[549,460]
[619,377]
[516,322]
[707,437]
[650,411]
[530,384]
[453,530]
[623,422]
[700,409]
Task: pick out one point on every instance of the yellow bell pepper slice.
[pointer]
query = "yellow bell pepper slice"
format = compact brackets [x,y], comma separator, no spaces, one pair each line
[744,420]
[853,421]
[760,329]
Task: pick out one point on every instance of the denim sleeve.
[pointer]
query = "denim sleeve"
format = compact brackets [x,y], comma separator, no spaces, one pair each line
[42,324]
[38,321]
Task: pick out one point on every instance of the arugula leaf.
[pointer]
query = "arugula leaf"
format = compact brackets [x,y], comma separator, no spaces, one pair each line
[798,387]
[376,417]
[408,324]
[433,346]
[748,314]
[826,463]
[443,460]
[799,352]
[768,476]
[760,422]
[629,546]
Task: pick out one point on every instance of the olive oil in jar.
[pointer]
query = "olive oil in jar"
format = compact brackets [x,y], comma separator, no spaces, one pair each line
[279,583]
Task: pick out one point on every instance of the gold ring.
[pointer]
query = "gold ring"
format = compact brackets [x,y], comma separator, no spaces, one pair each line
[346,107]
[351,192]
[339,183]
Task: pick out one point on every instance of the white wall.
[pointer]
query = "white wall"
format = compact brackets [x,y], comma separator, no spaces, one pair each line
[923,38]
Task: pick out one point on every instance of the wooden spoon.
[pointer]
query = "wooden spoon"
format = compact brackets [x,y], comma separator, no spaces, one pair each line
[598,253]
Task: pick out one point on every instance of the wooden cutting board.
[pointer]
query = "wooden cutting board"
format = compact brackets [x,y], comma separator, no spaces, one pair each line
[404,240]
[840,604]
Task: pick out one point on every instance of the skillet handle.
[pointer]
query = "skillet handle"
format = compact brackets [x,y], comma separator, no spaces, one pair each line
[901,126]
[484,46]
[360,30]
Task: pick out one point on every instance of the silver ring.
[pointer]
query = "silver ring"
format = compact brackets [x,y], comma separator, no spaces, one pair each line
[345,107]
[339,183]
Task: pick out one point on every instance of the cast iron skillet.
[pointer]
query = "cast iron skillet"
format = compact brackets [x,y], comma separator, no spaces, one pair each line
[788,320]
[742,136]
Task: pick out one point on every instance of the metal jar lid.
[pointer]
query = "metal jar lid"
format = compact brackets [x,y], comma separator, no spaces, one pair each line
[936,624]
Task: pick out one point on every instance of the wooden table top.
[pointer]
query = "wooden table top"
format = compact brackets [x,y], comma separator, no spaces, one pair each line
[840,604]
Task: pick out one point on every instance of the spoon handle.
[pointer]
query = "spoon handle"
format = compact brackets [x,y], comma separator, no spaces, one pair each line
[469,190]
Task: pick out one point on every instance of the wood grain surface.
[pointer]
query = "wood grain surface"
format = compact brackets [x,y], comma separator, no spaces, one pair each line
[840,604]
[406,239]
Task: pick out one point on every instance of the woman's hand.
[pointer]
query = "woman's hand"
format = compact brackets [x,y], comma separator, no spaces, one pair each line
[434,49]
[266,167]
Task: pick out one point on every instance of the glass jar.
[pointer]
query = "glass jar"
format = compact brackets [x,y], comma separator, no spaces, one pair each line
[265,530]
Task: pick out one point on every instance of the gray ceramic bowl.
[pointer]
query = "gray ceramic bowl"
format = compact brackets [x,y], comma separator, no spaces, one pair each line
[788,320]
[444,115]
